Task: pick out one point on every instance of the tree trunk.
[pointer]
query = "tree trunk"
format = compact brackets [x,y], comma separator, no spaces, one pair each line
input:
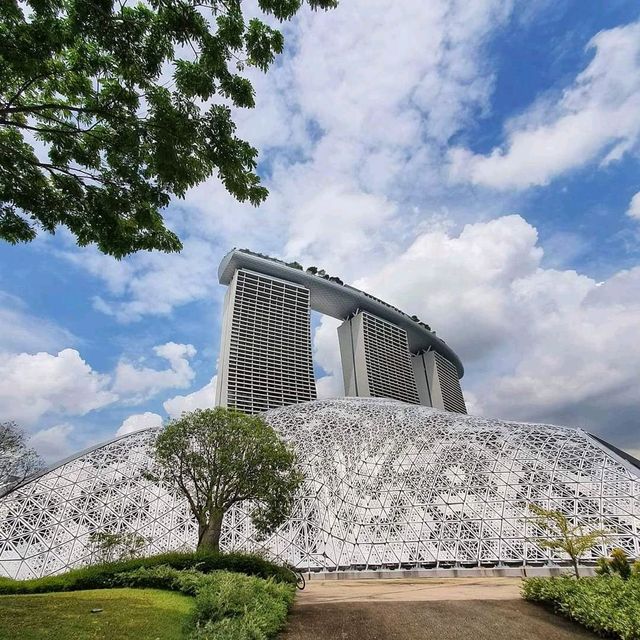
[575,567]
[209,534]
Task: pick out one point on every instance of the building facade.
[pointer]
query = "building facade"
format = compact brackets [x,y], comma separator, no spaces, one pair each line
[387,485]
[376,362]
[265,353]
[437,382]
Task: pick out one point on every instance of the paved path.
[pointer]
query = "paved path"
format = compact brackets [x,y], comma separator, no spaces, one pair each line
[415,589]
[423,609]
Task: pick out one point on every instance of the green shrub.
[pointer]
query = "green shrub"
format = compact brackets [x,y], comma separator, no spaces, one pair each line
[603,568]
[618,563]
[102,576]
[607,604]
[237,607]
[228,606]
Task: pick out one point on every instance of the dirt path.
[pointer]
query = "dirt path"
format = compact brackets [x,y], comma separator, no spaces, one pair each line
[400,590]
[428,609]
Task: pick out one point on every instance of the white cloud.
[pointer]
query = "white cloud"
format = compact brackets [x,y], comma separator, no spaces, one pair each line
[139,421]
[53,443]
[203,398]
[32,385]
[139,383]
[326,354]
[354,141]
[634,207]
[597,117]
[446,280]
[538,344]
[21,331]
[151,283]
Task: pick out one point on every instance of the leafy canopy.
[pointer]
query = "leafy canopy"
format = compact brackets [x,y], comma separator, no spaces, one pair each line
[108,108]
[219,457]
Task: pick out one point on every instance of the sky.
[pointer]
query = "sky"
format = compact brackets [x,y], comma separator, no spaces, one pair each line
[473,163]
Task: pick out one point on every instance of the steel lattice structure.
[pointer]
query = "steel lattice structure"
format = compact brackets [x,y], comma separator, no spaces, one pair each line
[388,484]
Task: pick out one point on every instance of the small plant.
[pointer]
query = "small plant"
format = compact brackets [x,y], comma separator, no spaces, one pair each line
[115,547]
[564,535]
[618,564]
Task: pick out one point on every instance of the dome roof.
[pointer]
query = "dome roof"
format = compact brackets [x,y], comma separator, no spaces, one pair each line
[387,484]
[391,483]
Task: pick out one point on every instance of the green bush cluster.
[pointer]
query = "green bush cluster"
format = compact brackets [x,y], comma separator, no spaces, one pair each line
[608,604]
[228,606]
[618,563]
[102,576]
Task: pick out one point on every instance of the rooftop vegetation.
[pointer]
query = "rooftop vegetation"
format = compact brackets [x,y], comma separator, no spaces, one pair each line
[321,273]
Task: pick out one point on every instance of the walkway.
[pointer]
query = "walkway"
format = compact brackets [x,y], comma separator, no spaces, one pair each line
[423,609]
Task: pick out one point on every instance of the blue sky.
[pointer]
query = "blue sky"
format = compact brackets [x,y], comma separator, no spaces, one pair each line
[474,163]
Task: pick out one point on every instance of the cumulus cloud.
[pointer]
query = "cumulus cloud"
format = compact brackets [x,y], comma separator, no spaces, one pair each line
[139,421]
[139,383]
[538,344]
[203,398]
[353,138]
[634,207]
[597,117]
[32,385]
[22,331]
[53,443]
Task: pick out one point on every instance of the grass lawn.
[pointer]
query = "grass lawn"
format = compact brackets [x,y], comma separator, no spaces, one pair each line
[128,614]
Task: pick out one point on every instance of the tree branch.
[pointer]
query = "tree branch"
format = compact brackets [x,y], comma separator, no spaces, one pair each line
[48,106]
[23,88]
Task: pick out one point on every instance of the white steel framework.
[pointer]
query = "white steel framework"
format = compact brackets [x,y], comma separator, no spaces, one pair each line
[388,484]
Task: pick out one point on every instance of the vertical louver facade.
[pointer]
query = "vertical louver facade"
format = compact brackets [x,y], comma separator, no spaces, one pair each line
[265,355]
[375,359]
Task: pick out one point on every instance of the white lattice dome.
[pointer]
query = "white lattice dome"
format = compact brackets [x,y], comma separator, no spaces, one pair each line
[388,484]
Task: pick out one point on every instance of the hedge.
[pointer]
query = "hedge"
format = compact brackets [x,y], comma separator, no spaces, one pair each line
[102,576]
[607,605]
[228,606]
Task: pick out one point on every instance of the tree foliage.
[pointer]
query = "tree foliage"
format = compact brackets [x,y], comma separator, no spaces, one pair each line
[106,546]
[110,107]
[565,536]
[17,459]
[219,457]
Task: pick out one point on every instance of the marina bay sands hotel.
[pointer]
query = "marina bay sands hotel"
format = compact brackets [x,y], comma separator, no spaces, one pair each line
[265,355]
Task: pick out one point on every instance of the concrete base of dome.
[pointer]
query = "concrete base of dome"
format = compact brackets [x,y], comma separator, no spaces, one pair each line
[473,572]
